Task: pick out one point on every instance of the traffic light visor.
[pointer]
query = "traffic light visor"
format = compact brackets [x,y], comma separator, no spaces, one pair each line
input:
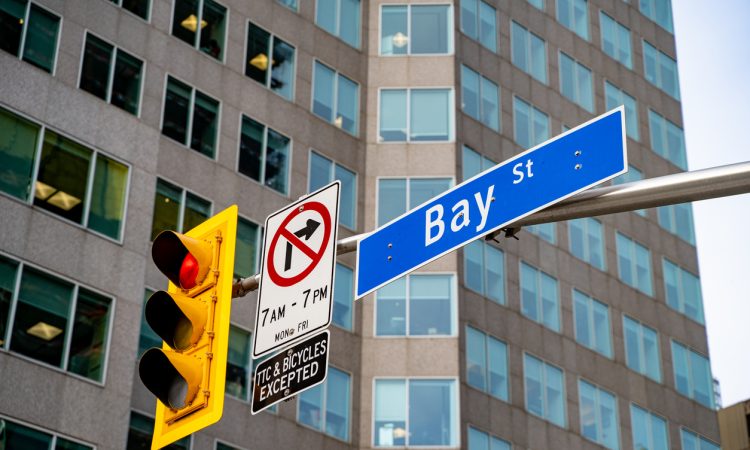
[172,377]
[183,259]
[177,319]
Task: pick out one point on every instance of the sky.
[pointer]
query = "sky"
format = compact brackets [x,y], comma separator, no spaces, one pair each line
[713,57]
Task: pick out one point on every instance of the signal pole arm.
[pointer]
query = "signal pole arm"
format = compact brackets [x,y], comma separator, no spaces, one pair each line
[723,181]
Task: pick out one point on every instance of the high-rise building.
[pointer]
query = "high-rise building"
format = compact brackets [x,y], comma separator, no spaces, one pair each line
[122,118]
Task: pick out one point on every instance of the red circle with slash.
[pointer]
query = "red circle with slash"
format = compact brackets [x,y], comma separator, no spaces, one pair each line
[314,256]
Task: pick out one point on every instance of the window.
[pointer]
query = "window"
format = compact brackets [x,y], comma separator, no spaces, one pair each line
[667,140]
[614,97]
[484,270]
[598,415]
[641,348]
[417,305]
[528,52]
[209,36]
[634,264]
[678,220]
[14,435]
[660,11]
[147,337]
[29,32]
[591,321]
[574,15]
[340,18]
[649,430]
[487,363]
[394,198]
[661,70]
[633,174]
[291,4]
[53,321]
[72,181]
[546,231]
[277,76]
[480,98]
[587,241]
[683,291]
[531,124]
[190,117]
[138,7]
[692,375]
[474,163]
[343,297]
[416,115]
[246,253]
[575,82]
[544,390]
[479,440]
[264,155]
[176,209]
[479,22]
[325,407]
[693,441]
[324,171]
[415,412]
[540,300]
[616,40]
[111,74]
[539,4]
[335,98]
[416,30]
[239,370]
[142,428]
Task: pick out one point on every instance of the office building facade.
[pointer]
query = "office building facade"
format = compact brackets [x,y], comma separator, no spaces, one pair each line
[122,118]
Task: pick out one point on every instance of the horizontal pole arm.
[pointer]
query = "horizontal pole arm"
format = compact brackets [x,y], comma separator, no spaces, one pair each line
[673,189]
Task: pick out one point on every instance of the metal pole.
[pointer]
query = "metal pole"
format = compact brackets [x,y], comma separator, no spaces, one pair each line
[681,187]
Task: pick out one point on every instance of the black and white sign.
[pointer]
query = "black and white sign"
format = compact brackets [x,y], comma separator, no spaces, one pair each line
[290,372]
[295,295]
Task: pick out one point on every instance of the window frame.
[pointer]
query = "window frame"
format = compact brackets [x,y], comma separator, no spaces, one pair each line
[338,24]
[490,437]
[199,17]
[590,302]
[406,179]
[664,153]
[152,417]
[250,369]
[258,241]
[641,350]
[353,303]
[633,259]
[691,382]
[659,82]
[335,93]
[451,114]
[577,67]
[262,183]
[323,405]
[449,32]
[407,300]
[183,201]
[539,300]
[587,253]
[685,430]
[480,99]
[191,114]
[487,336]
[597,413]
[618,45]
[43,127]
[478,24]
[271,41]
[676,229]
[334,163]
[110,77]
[571,11]
[54,434]
[118,4]
[456,398]
[22,44]
[624,93]
[563,394]
[68,332]
[485,291]
[650,15]
[650,415]
[529,55]
[532,108]
[681,295]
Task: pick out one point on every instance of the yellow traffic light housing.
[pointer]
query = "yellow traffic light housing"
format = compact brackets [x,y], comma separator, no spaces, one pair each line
[187,375]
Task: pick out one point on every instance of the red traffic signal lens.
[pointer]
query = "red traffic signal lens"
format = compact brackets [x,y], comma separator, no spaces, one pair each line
[189,271]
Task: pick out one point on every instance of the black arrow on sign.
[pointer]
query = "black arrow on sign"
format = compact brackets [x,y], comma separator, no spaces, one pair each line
[304,233]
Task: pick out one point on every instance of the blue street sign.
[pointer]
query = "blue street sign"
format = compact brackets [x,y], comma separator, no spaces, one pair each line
[563,166]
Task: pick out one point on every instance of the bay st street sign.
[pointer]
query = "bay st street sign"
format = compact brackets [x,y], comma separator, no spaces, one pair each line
[548,173]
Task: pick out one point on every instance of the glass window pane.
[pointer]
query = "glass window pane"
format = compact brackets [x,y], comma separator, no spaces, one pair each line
[520,43]
[197,210]
[391,199]
[185,20]
[429,29]
[495,267]
[323,91]
[64,444]
[320,171]
[587,400]
[567,77]
[488,26]
[251,148]
[474,266]
[166,208]
[391,309]
[277,157]
[554,395]
[430,115]
[205,124]
[282,68]
[390,413]
[490,109]
[310,407]
[349,22]
[470,92]
[498,368]
[88,346]
[41,38]
[246,252]
[41,317]
[538,59]
[472,163]
[533,385]
[326,15]
[337,404]
[651,354]
[126,84]
[176,110]
[21,437]
[347,105]
[238,363]
[432,413]
[423,189]
[212,33]
[8,270]
[529,292]
[348,211]
[392,115]
[550,303]
[62,176]
[147,337]
[12,13]
[478,440]
[430,305]
[138,7]
[108,197]
[258,41]
[522,116]
[540,131]
[97,58]
[18,143]
[394,34]
[476,359]
[343,297]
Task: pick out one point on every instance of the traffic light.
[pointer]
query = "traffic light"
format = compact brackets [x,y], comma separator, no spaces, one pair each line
[188,373]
